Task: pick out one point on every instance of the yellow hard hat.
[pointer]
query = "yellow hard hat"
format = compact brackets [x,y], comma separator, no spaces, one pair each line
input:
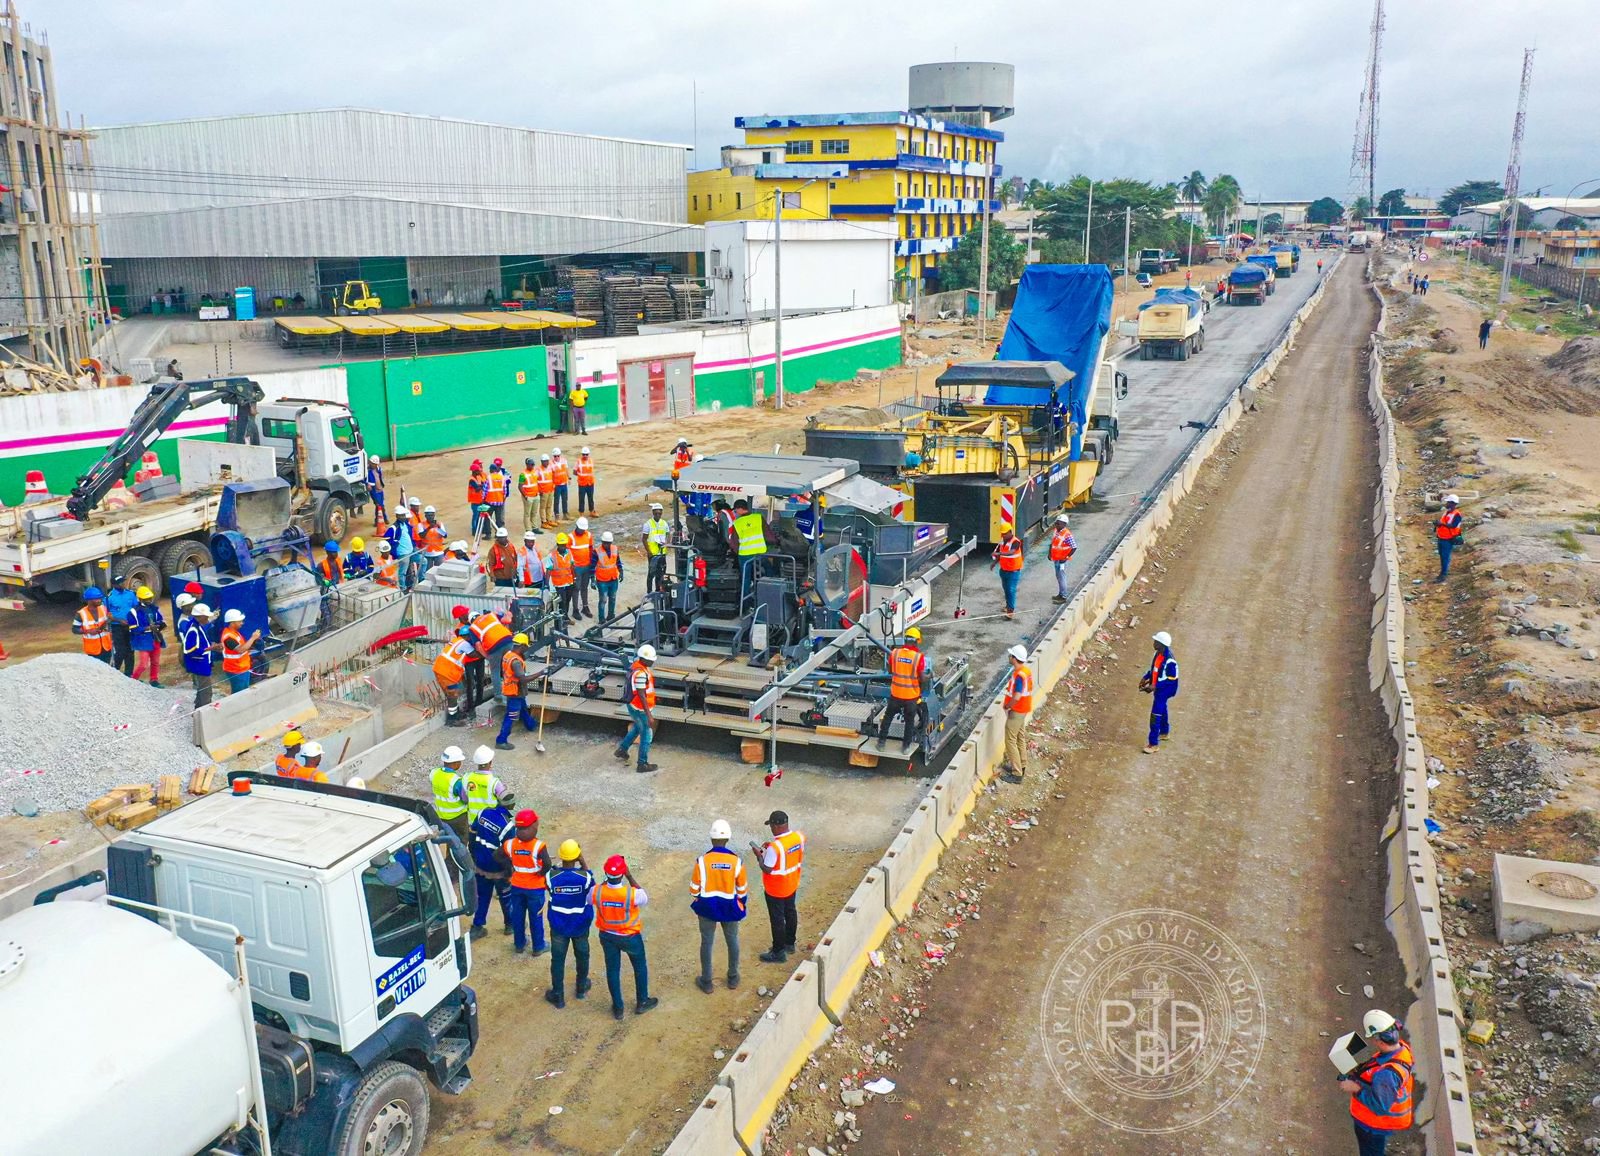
[570,850]
[293,738]
[914,635]
[520,639]
[358,544]
[144,594]
[562,539]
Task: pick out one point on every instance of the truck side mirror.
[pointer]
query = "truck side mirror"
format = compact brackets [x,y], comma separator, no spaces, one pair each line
[1122,385]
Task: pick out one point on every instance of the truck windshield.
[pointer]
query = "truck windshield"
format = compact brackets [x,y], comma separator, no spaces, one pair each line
[403,897]
[345,434]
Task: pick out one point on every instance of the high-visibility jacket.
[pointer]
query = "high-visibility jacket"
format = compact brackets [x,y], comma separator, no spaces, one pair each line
[494,489]
[483,791]
[571,901]
[530,565]
[1019,691]
[511,674]
[1009,554]
[528,483]
[607,562]
[196,647]
[387,573]
[681,460]
[311,774]
[642,685]
[906,665]
[1062,544]
[719,886]
[286,765]
[477,487]
[582,547]
[503,561]
[357,564]
[235,654]
[561,569]
[94,623]
[1397,1116]
[783,878]
[559,471]
[750,531]
[1164,673]
[488,632]
[545,478]
[583,471]
[451,665]
[490,830]
[527,873]
[656,531]
[616,909]
[449,796]
[433,538]
[330,569]
[1448,527]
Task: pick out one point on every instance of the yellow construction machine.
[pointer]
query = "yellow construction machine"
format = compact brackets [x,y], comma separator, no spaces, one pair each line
[357,297]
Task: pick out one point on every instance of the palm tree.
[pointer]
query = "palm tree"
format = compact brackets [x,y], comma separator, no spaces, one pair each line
[1360,209]
[1222,200]
[1192,188]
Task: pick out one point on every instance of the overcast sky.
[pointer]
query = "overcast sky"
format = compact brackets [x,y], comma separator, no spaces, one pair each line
[1137,88]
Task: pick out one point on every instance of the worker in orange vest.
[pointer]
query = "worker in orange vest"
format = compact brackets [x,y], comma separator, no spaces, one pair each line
[331,568]
[288,762]
[477,493]
[450,672]
[618,902]
[682,457]
[525,856]
[387,570]
[1447,534]
[719,892]
[908,678]
[92,624]
[528,487]
[581,542]
[503,559]
[1018,706]
[496,487]
[545,476]
[1008,557]
[310,764]
[641,704]
[530,562]
[490,635]
[560,476]
[1382,1088]
[583,474]
[514,689]
[1062,547]
[780,858]
[607,576]
[236,651]
[563,574]
[431,540]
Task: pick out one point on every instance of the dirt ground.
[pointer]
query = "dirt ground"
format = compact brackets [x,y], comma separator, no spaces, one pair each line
[1261,819]
[1504,672]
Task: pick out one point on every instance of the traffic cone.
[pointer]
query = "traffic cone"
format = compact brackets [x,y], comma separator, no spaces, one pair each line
[34,488]
[150,464]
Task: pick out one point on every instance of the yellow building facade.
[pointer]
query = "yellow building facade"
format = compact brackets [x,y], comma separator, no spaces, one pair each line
[929,176]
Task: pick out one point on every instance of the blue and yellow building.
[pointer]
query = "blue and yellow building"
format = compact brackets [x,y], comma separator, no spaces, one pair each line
[930,176]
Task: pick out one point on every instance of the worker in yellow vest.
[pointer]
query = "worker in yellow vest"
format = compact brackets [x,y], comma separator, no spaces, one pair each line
[1018,707]
[780,858]
[654,540]
[450,791]
[484,788]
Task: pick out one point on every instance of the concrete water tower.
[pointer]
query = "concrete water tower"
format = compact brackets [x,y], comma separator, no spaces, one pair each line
[972,92]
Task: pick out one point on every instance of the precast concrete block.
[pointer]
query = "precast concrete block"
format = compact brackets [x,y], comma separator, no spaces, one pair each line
[911,858]
[709,1130]
[759,1072]
[232,725]
[841,953]
[954,792]
[1538,897]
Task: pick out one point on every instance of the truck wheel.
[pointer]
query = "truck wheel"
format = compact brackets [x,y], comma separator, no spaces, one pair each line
[333,519]
[1182,351]
[184,557]
[389,1115]
[141,571]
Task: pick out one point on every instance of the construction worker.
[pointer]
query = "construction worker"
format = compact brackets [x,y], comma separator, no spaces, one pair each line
[571,888]
[514,687]
[288,761]
[719,893]
[450,671]
[1161,680]
[197,648]
[358,563]
[563,574]
[375,489]
[607,576]
[434,536]
[331,569]
[1018,705]
[682,457]
[491,637]
[528,487]
[310,764]
[236,650]
[1447,533]
[1319,266]
[545,476]
[450,791]
[460,551]
[560,478]
[385,570]
[92,624]
[496,487]
[401,536]
[527,860]
[1007,556]
[146,635]
[503,560]
[484,788]
[641,701]
[1062,548]
[618,904]
[780,858]
[493,827]
[583,475]
[749,533]
[722,520]
[530,563]
[477,495]
[578,415]
[653,538]
[120,602]
[908,679]
[581,543]
[1381,1088]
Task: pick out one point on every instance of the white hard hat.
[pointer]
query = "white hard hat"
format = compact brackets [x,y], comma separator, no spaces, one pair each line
[583,523]
[483,756]
[185,601]
[375,459]
[655,505]
[429,510]
[383,546]
[201,610]
[699,457]
[721,830]
[459,544]
[502,532]
[529,535]
[555,451]
[451,755]
[584,450]
[607,536]
[1375,1021]
[311,751]
[1018,653]
[544,457]
[1452,499]
[647,653]
[1162,637]
[358,782]
[233,616]
[1062,519]
[413,501]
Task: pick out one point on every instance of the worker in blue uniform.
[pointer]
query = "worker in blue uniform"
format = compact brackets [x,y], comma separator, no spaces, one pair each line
[493,827]
[1161,680]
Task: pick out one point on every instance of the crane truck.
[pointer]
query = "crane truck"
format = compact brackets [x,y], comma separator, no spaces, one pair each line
[274,970]
[53,549]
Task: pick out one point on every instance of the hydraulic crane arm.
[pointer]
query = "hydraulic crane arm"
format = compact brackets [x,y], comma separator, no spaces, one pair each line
[168,400]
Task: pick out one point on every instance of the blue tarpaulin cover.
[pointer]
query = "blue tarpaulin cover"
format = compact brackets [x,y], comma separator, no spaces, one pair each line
[1189,297]
[1265,260]
[1247,275]
[1062,313]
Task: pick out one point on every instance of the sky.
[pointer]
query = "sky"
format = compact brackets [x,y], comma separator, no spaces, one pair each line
[1138,88]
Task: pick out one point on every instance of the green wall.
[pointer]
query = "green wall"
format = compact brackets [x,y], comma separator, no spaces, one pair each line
[800,374]
[62,468]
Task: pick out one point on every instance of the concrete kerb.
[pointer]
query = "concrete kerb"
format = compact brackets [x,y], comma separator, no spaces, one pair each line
[710,1130]
[910,859]
[841,955]
[240,721]
[758,1075]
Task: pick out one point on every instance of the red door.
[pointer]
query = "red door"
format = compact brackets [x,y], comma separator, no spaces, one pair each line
[658,390]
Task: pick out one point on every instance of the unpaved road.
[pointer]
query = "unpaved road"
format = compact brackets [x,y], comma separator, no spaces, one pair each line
[1261,819]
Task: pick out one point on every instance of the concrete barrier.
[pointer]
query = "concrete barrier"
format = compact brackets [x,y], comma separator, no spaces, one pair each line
[759,1072]
[910,859]
[232,725]
[710,1130]
[841,953]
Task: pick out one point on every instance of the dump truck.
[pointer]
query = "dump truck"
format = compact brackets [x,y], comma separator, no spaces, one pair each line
[1248,284]
[1270,263]
[277,968]
[162,527]
[1172,324]
[1287,257]
[1156,261]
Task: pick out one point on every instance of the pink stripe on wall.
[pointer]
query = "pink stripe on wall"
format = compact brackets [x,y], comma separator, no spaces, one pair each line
[106,434]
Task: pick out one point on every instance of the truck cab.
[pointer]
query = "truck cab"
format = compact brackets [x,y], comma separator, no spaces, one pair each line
[335,465]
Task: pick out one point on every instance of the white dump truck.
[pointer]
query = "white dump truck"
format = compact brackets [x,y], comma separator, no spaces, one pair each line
[1172,324]
[275,969]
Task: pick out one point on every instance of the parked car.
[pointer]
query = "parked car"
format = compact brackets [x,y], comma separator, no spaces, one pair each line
[1144,279]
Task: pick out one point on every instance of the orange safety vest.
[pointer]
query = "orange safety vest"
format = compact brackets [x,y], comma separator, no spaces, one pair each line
[583,472]
[433,538]
[582,547]
[607,563]
[1398,1117]
[1009,554]
[1019,691]
[784,878]
[642,682]
[545,478]
[288,766]
[511,674]
[501,557]
[560,569]
[906,665]
[527,873]
[95,622]
[528,483]
[451,665]
[559,472]
[304,772]
[332,572]
[489,631]
[477,487]
[1448,527]
[495,491]
[388,573]
[235,656]
[681,460]
[615,909]
[1062,545]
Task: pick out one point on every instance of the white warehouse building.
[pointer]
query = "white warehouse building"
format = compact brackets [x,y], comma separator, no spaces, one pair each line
[826,265]
[428,210]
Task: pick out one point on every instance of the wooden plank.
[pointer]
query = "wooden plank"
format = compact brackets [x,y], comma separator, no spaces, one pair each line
[169,792]
[98,809]
[861,758]
[134,792]
[752,750]
[847,732]
[204,780]
[133,815]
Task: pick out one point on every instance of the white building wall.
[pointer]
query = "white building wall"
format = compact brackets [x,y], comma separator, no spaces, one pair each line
[826,265]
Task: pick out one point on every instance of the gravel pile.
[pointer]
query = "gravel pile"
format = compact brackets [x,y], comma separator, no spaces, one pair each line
[84,728]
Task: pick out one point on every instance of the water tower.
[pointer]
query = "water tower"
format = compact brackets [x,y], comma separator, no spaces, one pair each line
[970,92]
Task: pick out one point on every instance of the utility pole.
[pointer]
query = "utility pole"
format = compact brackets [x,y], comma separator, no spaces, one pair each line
[778,197]
[1127,238]
[1087,217]
[1514,174]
